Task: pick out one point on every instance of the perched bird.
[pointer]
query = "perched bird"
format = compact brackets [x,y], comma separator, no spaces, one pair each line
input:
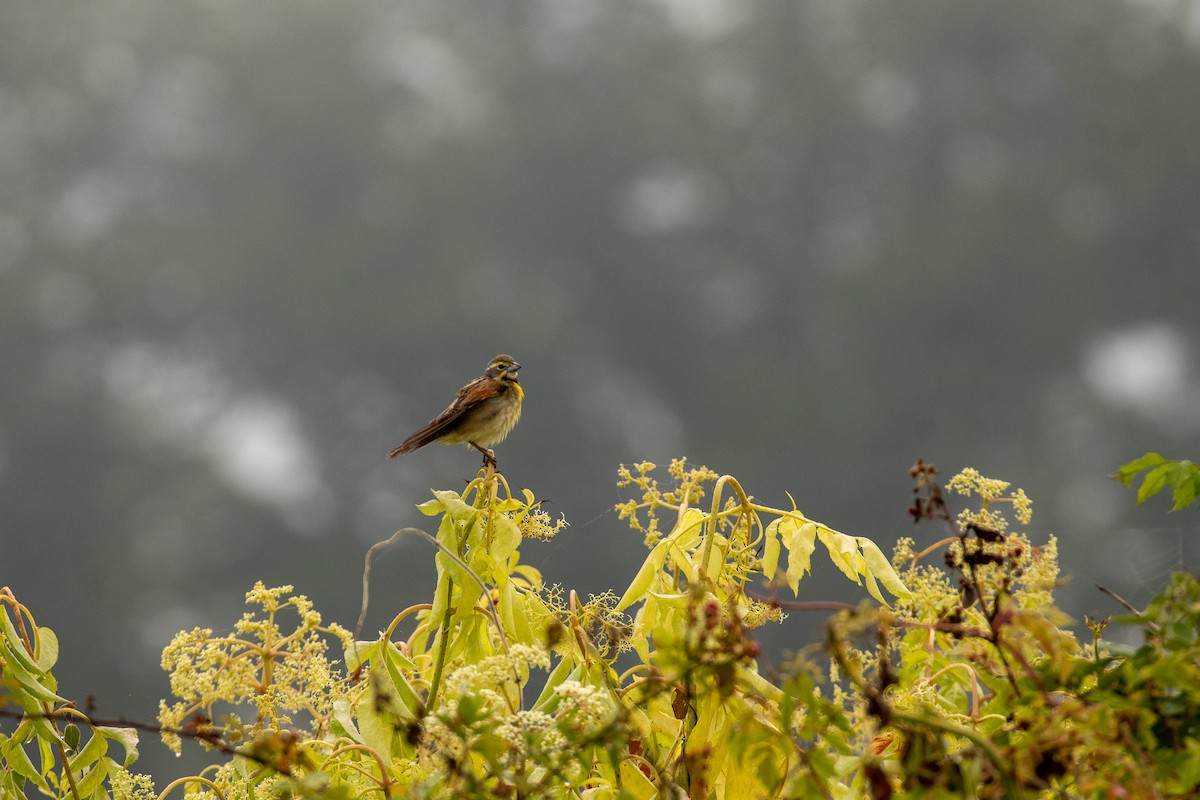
[483,412]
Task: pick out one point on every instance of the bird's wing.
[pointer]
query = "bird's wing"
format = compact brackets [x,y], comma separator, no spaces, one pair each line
[467,398]
[475,392]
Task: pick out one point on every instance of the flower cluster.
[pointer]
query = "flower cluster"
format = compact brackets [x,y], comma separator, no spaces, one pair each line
[688,491]
[481,714]
[537,524]
[969,481]
[528,732]
[607,628]
[279,673]
[497,671]
[131,786]
[582,708]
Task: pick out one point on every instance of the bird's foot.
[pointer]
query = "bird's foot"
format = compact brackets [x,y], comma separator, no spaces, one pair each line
[489,457]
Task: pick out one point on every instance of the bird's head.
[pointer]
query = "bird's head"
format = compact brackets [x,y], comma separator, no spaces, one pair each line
[503,367]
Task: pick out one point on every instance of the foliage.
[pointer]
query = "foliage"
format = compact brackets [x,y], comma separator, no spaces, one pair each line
[1182,476]
[54,747]
[969,684]
[227,236]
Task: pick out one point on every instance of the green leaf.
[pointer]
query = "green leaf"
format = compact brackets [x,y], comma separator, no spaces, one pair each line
[1185,484]
[40,729]
[342,717]
[92,752]
[1128,471]
[359,653]
[873,587]
[1182,476]
[71,736]
[127,737]
[377,728]
[16,645]
[16,759]
[395,662]
[23,682]
[431,508]
[689,527]
[47,649]
[566,669]
[634,784]
[1153,483]
[716,556]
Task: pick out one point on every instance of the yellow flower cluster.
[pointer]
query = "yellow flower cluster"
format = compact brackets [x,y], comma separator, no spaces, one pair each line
[537,524]
[969,481]
[130,786]
[489,687]
[583,707]
[688,491]
[984,518]
[439,744]
[607,628]
[279,673]
[990,490]
[531,730]
[759,613]
[1022,506]
[501,669]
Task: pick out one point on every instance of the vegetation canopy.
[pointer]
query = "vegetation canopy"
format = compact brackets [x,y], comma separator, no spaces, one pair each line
[957,678]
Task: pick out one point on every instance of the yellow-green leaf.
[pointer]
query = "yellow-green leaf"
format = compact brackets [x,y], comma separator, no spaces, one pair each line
[646,575]
[431,508]
[128,738]
[22,682]
[47,649]
[635,783]
[343,717]
[800,538]
[92,752]
[879,566]
[455,507]
[843,550]
[395,663]
[360,653]
[688,528]
[377,728]
[770,556]
[16,645]
[565,670]
[16,759]
[716,557]
[506,537]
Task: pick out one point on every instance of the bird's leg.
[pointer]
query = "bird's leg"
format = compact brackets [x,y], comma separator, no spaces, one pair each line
[489,458]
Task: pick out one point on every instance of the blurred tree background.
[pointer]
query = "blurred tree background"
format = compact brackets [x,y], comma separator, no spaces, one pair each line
[246,248]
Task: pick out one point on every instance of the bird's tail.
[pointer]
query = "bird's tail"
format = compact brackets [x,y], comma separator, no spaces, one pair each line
[418,440]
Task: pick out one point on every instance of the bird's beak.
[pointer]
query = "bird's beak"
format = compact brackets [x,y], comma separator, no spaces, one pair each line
[513,367]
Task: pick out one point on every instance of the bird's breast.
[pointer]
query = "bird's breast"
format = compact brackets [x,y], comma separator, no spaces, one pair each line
[490,421]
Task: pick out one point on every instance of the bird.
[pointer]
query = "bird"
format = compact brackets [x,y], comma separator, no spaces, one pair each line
[481,414]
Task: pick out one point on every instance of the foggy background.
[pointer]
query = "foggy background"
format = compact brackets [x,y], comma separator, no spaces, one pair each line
[247,248]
